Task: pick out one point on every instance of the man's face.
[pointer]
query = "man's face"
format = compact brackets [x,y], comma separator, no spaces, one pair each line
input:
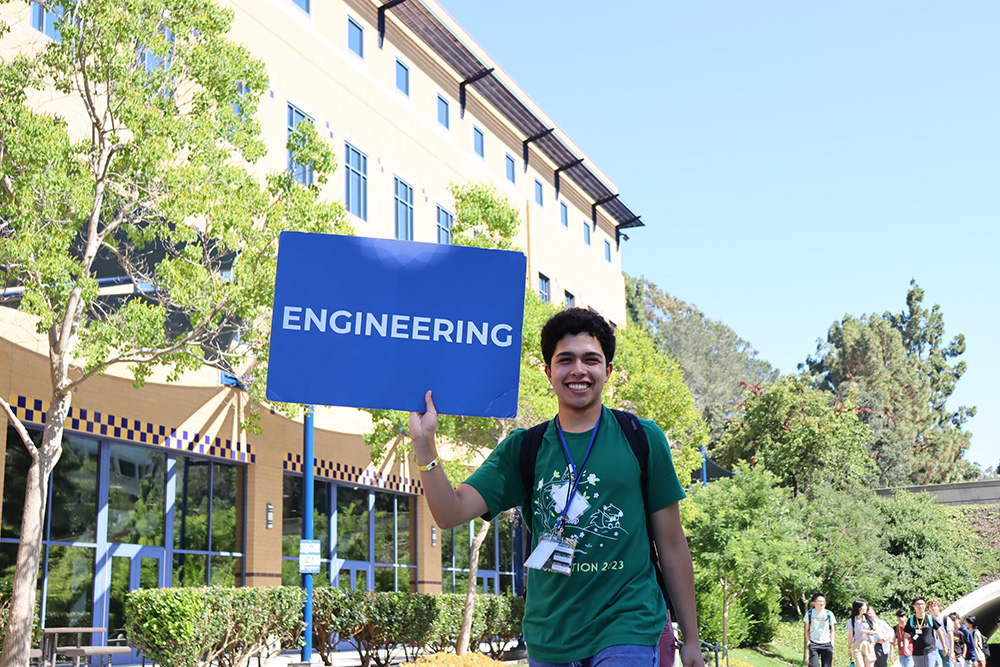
[934,609]
[819,603]
[578,371]
[920,607]
[901,621]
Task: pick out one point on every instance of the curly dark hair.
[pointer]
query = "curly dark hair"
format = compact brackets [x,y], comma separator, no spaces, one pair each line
[573,321]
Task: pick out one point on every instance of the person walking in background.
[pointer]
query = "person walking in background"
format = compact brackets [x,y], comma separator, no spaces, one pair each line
[944,641]
[964,650]
[979,660]
[819,633]
[922,627]
[904,643]
[861,635]
[883,641]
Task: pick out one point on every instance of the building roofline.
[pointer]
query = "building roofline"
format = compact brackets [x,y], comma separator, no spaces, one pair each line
[429,22]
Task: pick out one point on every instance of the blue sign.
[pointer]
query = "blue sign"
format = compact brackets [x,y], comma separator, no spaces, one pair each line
[375,323]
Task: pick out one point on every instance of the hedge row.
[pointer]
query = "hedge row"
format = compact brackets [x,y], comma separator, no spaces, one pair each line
[376,624]
[187,627]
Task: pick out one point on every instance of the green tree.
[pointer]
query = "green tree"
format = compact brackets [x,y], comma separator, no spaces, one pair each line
[927,552]
[899,369]
[483,219]
[842,539]
[744,543]
[801,435]
[717,363]
[157,187]
[650,384]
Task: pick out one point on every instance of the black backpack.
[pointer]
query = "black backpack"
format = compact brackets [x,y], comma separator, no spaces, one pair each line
[637,440]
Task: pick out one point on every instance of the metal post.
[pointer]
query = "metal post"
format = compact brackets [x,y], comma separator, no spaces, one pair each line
[307,523]
[704,466]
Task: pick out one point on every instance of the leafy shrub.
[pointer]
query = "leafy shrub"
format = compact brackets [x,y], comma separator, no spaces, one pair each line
[447,622]
[710,618]
[169,625]
[186,627]
[501,615]
[36,629]
[338,615]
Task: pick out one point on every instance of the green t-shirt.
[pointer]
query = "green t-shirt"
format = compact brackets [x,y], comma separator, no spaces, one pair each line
[612,596]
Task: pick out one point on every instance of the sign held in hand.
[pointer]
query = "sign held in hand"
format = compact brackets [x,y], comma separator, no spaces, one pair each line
[375,323]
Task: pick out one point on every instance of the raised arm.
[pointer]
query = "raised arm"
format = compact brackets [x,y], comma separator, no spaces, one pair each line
[450,507]
[678,574]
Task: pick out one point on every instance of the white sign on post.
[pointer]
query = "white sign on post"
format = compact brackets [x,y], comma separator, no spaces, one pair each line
[309,554]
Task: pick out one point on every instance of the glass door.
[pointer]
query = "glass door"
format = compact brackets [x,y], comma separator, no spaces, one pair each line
[132,567]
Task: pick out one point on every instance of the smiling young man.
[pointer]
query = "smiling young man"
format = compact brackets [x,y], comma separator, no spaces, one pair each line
[594,599]
[922,627]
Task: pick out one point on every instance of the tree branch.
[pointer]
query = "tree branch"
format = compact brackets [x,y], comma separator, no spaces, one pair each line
[21,431]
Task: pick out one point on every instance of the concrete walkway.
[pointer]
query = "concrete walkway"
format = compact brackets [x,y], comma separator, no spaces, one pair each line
[340,659]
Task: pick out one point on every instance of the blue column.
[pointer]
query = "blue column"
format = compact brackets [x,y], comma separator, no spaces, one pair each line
[307,522]
[704,466]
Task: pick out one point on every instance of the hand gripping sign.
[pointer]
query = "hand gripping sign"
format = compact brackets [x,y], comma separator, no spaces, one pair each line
[375,323]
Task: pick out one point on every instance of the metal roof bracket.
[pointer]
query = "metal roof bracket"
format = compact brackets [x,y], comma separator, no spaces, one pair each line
[535,137]
[389,4]
[564,168]
[461,88]
[593,208]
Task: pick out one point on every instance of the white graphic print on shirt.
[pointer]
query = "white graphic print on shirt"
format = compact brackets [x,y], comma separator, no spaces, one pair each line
[599,522]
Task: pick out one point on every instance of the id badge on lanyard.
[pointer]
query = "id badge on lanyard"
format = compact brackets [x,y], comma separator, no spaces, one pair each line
[554,553]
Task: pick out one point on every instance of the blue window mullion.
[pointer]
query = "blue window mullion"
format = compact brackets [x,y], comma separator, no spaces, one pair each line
[170,505]
[370,579]
[211,494]
[102,561]
[334,539]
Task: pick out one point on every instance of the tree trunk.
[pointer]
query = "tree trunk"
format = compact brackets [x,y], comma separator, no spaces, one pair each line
[725,615]
[465,632]
[17,641]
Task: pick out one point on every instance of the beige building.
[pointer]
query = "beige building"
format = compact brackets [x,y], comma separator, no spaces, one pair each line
[159,487]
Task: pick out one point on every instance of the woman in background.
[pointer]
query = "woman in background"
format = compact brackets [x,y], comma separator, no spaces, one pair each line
[862,634]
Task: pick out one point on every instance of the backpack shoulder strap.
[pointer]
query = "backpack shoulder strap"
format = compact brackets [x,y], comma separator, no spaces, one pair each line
[639,443]
[530,443]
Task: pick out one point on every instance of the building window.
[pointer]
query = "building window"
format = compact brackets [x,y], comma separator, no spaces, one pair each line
[538,193]
[496,557]
[356,38]
[543,287]
[300,172]
[403,78]
[242,92]
[570,299]
[444,225]
[404,211]
[586,233]
[152,62]
[44,20]
[180,516]
[478,142]
[365,539]
[356,182]
[442,111]
[302,4]
[607,250]
[564,214]
[510,168]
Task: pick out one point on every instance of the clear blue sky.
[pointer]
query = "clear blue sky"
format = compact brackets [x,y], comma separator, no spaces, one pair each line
[793,161]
